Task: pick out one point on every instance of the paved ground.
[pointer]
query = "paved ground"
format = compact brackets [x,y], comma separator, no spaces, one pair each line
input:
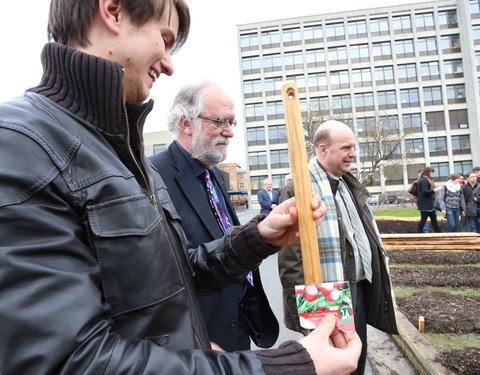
[384,357]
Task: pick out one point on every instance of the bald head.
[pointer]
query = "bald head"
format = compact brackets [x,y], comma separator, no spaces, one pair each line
[335,147]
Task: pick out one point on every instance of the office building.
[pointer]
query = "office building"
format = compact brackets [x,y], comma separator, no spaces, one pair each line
[412,68]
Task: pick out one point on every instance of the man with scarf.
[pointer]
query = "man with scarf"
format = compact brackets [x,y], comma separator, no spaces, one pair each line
[349,242]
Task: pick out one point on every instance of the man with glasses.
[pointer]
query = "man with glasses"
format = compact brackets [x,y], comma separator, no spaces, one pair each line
[202,121]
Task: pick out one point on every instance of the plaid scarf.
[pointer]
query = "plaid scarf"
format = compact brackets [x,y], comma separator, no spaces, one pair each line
[327,232]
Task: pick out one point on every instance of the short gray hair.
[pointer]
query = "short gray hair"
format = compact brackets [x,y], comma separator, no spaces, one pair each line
[188,103]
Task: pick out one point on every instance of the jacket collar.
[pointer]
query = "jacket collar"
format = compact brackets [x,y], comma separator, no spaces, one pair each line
[89,87]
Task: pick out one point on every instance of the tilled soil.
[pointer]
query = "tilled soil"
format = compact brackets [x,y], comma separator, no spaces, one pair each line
[443,312]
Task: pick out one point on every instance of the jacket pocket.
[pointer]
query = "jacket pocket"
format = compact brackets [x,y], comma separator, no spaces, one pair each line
[134,251]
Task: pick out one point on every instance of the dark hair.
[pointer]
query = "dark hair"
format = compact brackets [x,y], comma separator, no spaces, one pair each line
[476,169]
[470,173]
[427,171]
[69,20]
[454,176]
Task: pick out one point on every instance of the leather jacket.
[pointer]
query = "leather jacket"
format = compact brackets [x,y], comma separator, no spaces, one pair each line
[95,277]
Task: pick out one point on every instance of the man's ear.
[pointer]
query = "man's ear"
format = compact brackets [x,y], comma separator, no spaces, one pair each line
[110,13]
[186,126]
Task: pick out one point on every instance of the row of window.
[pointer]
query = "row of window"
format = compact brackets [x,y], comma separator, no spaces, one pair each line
[366,101]
[356,53]
[382,75]
[355,29]
[394,174]
[437,146]
[412,122]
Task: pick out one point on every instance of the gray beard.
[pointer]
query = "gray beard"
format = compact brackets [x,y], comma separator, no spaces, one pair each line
[204,150]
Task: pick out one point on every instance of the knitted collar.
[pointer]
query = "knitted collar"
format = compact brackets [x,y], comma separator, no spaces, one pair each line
[89,87]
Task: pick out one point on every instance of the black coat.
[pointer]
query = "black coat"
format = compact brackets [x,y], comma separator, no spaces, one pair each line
[471,205]
[221,311]
[426,196]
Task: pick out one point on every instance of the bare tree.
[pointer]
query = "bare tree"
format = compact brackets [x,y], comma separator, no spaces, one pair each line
[380,146]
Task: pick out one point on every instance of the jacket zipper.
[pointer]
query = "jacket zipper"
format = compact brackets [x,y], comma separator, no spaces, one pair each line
[150,194]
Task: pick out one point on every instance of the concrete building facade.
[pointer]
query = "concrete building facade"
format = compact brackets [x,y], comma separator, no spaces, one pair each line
[415,66]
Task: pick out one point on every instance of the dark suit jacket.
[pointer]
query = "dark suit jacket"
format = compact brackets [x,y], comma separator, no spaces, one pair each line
[265,202]
[224,312]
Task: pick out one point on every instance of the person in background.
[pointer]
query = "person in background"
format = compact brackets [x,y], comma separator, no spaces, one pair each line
[350,246]
[463,216]
[202,121]
[452,202]
[425,199]
[267,197]
[469,192]
[96,276]
[288,178]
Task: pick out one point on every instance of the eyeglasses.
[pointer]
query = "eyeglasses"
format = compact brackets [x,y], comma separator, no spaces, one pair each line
[221,122]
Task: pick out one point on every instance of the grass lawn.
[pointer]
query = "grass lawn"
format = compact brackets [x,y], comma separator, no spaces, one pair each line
[400,212]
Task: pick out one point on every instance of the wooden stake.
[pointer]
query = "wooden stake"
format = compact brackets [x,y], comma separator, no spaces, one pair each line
[301,178]
[421,324]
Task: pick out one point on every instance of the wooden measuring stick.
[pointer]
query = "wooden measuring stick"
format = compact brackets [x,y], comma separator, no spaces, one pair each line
[303,190]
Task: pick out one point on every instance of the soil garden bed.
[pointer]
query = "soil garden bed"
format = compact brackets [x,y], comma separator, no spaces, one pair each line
[444,288]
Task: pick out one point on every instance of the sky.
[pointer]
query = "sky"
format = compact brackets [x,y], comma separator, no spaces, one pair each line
[210,53]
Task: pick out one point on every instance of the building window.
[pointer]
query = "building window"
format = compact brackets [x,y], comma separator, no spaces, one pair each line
[313,34]
[291,37]
[279,159]
[359,53]
[404,48]
[270,39]
[319,104]
[461,144]
[341,103]
[429,70]
[382,51]
[456,94]
[437,146]
[379,26]
[412,122]
[299,80]
[458,119]
[424,21]
[275,110]
[364,102]
[254,112]
[317,81]
[441,170]
[339,79]
[255,136]
[273,86]
[407,73]
[365,123]
[158,148]
[251,65]
[386,99]
[357,29]
[257,160]
[337,55]
[335,31]
[294,60]
[475,7]
[256,183]
[362,77]
[447,18]
[272,62]
[401,24]
[414,147]
[453,68]
[450,43]
[463,166]
[252,88]
[315,57]
[427,46]
[249,42]
[277,134]
[476,34]
[278,180]
[384,75]
[409,98]
[477,59]
[435,121]
[388,122]
[432,95]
